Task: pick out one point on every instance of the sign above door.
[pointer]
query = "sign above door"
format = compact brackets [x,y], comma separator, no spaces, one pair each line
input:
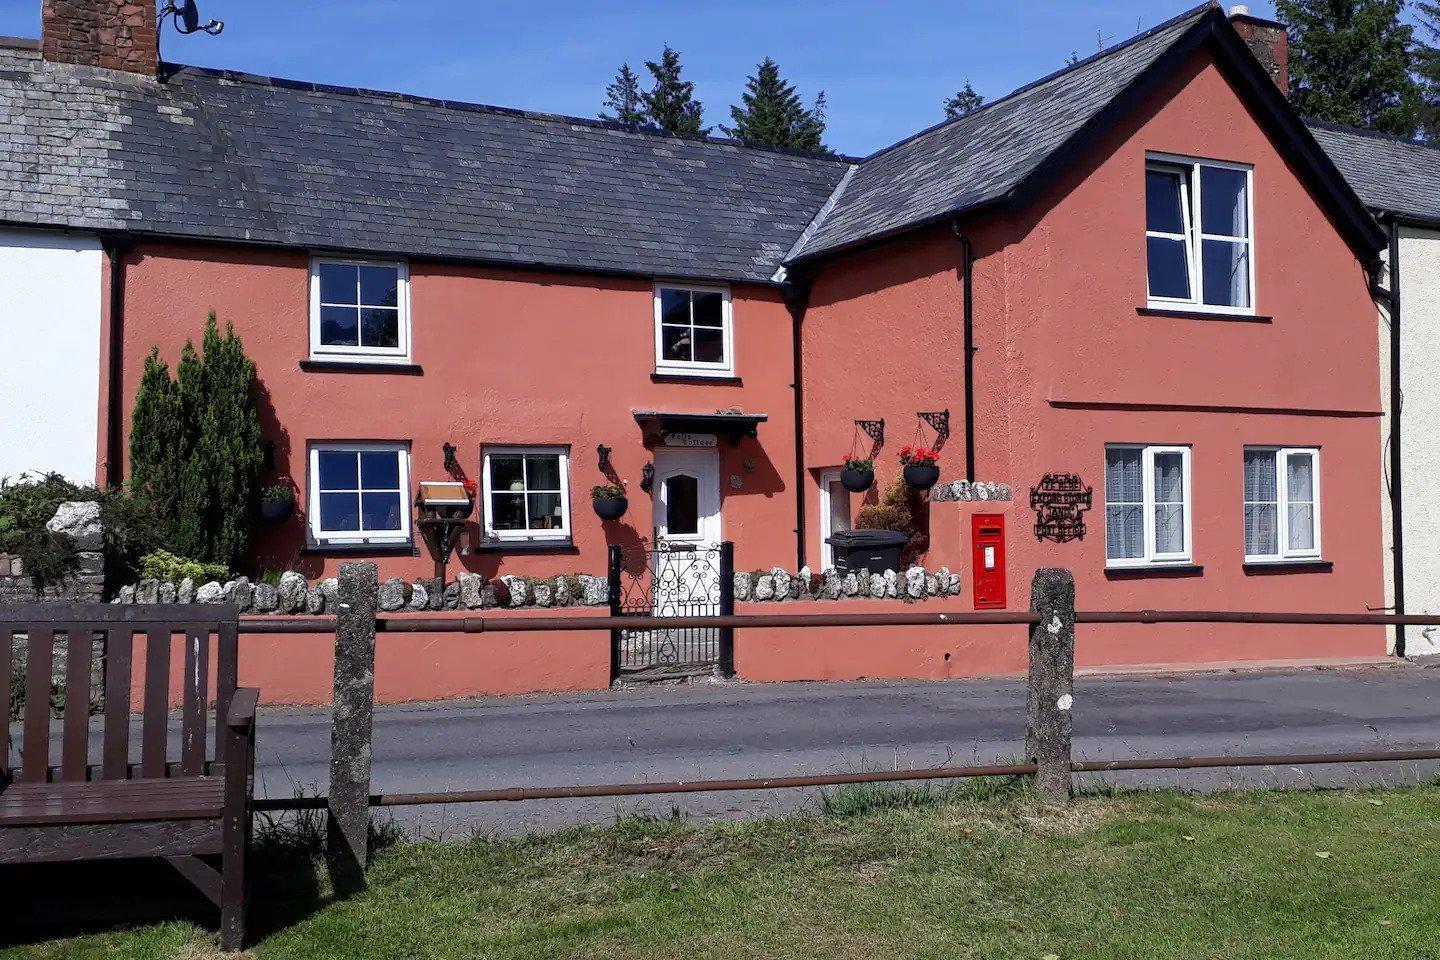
[690,439]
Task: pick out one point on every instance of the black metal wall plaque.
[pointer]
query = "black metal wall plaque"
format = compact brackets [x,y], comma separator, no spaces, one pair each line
[1060,502]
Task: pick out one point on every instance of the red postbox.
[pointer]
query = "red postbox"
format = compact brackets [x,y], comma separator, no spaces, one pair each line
[987,538]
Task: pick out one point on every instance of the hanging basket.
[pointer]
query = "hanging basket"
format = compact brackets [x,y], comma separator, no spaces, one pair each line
[922,476]
[276,511]
[610,508]
[857,480]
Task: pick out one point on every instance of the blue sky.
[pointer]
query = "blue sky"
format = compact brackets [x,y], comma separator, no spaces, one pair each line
[885,67]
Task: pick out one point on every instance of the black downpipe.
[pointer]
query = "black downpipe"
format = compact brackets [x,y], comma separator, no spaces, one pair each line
[797,298]
[1397,513]
[116,247]
[967,279]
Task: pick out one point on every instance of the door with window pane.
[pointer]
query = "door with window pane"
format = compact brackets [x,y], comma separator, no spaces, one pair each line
[687,524]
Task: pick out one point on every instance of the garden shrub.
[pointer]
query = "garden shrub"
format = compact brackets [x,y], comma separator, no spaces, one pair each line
[166,566]
[896,511]
[26,505]
[196,453]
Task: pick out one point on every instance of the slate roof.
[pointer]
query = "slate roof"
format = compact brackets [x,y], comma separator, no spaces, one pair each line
[1390,174]
[979,158]
[226,156]
[235,157]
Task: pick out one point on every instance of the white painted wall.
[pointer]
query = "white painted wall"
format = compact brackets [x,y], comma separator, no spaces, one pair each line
[1420,430]
[49,352]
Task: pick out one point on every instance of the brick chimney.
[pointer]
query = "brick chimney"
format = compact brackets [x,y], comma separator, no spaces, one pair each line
[1268,41]
[115,34]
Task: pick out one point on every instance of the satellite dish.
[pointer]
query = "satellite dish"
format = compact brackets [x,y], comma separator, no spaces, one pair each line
[189,17]
[186,17]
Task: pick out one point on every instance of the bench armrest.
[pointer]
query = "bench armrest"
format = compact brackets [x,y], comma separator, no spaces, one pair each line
[242,708]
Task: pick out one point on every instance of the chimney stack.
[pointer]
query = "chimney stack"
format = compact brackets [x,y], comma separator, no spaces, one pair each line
[1268,41]
[115,34]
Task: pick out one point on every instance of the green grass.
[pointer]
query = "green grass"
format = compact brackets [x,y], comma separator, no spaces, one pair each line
[949,872]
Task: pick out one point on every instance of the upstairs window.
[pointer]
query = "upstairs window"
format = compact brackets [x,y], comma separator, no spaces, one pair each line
[527,493]
[1282,504]
[1147,505]
[1199,236]
[693,331]
[359,311]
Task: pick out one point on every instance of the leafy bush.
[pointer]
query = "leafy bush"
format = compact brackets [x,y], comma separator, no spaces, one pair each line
[164,565]
[896,511]
[26,505]
[196,452]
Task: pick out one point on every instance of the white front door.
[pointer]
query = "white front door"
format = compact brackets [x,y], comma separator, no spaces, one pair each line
[687,530]
[834,513]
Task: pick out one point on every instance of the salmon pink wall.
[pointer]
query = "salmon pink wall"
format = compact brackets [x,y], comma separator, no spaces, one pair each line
[1066,363]
[508,357]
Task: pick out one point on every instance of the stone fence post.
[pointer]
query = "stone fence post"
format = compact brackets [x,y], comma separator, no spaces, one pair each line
[1052,683]
[352,722]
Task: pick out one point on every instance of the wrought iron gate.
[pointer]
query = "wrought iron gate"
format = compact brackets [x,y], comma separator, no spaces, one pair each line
[672,581]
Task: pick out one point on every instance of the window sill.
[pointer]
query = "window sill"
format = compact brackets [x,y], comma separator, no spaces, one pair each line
[384,547]
[1263,567]
[361,366]
[1190,313]
[1154,570]
[521,546]
[661,376]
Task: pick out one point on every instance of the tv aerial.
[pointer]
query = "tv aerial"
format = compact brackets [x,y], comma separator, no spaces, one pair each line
[186,18]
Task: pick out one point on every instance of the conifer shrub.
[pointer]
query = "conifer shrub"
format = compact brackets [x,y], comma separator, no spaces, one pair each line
[196,452]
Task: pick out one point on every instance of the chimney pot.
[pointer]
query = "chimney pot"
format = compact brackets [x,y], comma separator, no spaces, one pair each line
[116,34]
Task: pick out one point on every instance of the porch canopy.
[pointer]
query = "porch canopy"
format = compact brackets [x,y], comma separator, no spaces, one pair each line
[656,425]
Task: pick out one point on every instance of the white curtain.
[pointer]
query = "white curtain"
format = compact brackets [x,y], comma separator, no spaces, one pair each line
[1169,503]
[1261,504]
[1300,494]
[1124,504]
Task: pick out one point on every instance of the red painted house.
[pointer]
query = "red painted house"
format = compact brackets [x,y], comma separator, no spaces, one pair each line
[1141,271]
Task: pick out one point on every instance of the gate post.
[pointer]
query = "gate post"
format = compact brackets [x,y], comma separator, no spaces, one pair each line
[726,665]
[613,569]
[1052,683]
[352,722]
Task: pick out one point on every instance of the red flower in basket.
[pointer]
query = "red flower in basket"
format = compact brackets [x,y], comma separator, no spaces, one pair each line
[470,487]
[918,456]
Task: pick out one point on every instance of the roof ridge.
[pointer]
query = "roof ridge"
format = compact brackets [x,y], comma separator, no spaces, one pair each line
[169,71]
[1069,68]
[1372,134]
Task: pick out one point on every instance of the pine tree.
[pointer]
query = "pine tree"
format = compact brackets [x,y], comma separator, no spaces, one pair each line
[772,115]
[1350,63]
[196,453]
[670,104]
[966,100]
[1426,64]
[623,99]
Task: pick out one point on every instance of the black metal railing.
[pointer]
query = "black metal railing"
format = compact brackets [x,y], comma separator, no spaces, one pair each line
[672,581]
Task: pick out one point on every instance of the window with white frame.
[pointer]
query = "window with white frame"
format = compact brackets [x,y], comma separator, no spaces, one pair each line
[1282,503]
[1147,505]
[694,332]
[527,493]
[358,493]
[1199,234]
[359,310]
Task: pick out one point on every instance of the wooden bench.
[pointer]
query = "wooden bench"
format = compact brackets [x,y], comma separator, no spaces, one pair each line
[192,809]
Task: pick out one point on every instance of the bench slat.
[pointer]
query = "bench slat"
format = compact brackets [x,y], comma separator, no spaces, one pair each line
[226,678]
[157,701]
[111,801]
[119,645]
[197,679]
[39,656]
[7,648]
[79,649]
